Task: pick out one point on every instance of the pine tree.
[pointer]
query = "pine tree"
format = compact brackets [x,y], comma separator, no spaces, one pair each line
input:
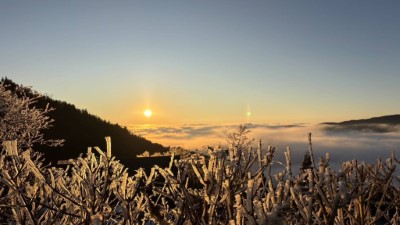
[306,164]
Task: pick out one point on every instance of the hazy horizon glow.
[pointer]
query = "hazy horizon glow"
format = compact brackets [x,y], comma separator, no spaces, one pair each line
[208,62]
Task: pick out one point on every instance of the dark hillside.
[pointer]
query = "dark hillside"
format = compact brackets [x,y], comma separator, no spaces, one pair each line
[381,124]
[80,130]
[390,120]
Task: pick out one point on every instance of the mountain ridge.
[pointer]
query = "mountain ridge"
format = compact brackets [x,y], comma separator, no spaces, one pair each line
[381,124]
[80,129]
[388,119]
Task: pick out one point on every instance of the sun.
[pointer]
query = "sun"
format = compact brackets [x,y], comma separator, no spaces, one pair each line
[147,113]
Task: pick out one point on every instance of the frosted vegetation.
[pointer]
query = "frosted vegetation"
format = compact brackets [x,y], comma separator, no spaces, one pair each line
[224,186]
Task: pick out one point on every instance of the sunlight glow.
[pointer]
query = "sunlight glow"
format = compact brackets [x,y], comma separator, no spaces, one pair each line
[147,113]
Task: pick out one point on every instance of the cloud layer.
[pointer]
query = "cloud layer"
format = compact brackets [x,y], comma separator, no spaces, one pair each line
[343,144]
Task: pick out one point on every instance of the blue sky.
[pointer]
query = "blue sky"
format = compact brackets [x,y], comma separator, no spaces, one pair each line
[208,61]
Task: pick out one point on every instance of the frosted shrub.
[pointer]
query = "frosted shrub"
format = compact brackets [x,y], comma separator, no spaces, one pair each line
[227,186]
[94,189]
[20,120]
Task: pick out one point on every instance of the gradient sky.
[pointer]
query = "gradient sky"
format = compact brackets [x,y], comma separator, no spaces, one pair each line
[208,61]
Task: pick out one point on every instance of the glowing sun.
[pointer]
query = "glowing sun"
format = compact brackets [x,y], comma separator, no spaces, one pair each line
[147,113]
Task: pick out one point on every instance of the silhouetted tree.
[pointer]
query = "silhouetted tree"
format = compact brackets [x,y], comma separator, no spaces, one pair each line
[306,164]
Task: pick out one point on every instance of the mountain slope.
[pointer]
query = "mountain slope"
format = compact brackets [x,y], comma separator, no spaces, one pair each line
[382,124]
[81,129]
[390,119]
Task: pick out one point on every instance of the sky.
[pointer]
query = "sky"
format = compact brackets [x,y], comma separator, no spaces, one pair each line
[208,62]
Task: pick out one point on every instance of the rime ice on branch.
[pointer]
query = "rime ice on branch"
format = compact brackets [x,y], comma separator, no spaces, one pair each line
[225,186]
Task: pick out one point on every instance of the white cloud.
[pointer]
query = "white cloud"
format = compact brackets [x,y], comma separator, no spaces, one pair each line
[343,144]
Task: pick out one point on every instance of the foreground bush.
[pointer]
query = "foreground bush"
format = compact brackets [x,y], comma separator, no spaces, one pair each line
[21,120]
[233,186]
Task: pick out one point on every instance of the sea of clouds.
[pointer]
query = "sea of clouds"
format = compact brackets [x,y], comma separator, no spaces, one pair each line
[364,143]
